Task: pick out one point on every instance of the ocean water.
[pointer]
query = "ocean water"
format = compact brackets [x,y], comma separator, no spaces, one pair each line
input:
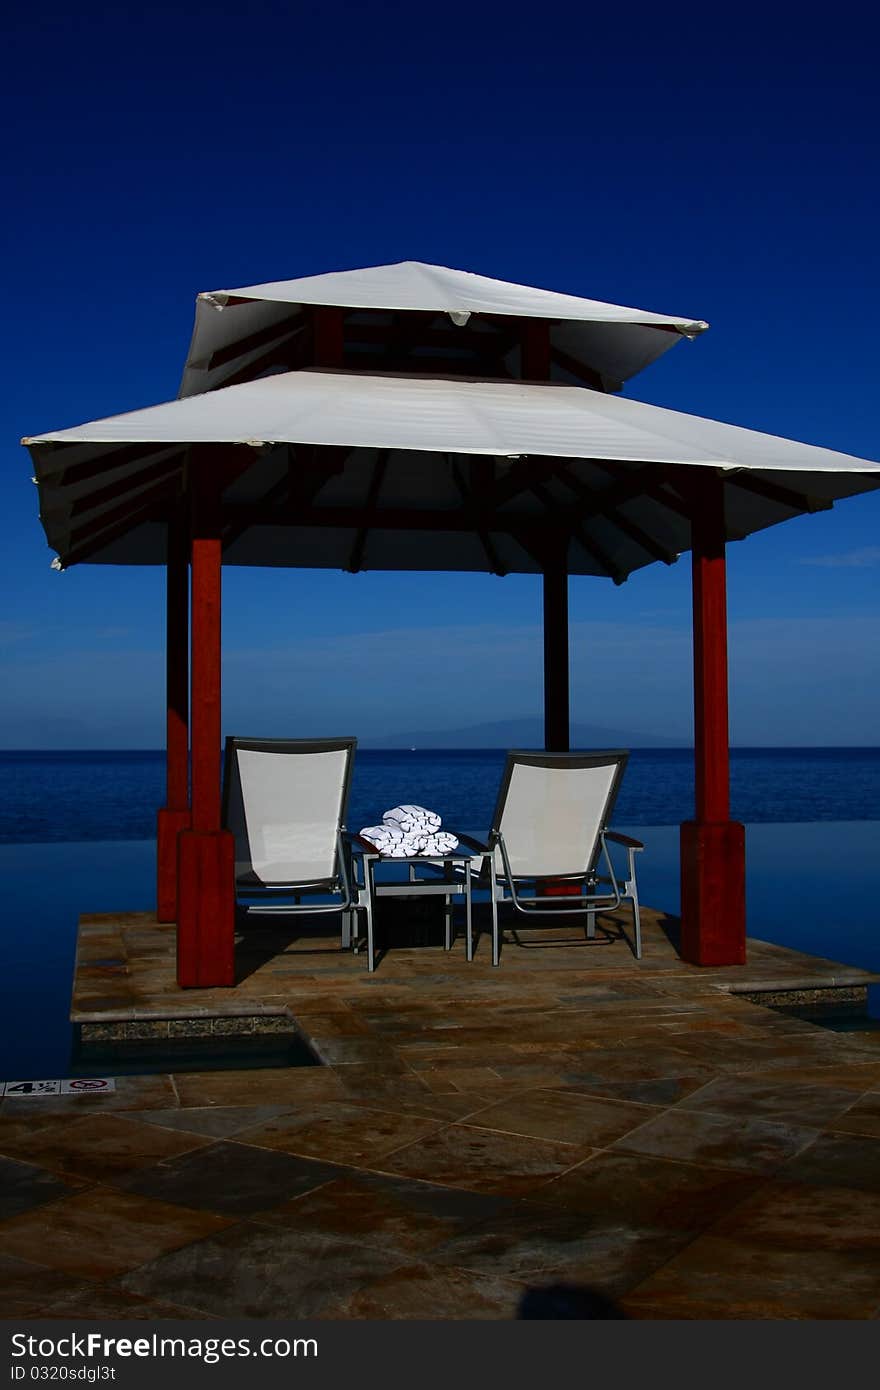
[76,836]
[50,796]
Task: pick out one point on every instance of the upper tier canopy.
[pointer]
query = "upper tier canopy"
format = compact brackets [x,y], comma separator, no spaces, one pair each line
[333,470]
[429,312]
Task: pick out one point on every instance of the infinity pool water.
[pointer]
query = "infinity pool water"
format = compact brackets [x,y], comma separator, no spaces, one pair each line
[813,887]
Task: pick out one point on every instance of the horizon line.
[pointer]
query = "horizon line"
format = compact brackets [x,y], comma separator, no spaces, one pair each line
[495,748]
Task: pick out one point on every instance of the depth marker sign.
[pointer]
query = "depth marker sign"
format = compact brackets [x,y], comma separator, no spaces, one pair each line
[75,1086]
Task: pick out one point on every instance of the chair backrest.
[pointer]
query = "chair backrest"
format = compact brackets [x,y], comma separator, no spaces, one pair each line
[552,807]
[285,801]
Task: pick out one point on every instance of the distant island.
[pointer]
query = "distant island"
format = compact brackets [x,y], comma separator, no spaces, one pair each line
[521,733]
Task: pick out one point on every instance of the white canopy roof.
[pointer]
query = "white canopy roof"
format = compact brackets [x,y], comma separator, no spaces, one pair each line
[235,330]
[388,472]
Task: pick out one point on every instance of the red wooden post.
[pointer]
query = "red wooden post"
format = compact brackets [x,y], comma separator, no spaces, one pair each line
[713,918]
[174,815]
[206,853]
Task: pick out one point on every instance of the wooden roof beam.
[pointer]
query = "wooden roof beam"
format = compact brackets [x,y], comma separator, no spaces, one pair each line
[629,528]
[271,337]
[588,375]
[308,469]
[378,361]
[647,480]
[233,531]
[129,508]
[472,500]
[111,458]
[292,354]
[99,539]
[387,518]
[571,525]
[778,492]
[124,486]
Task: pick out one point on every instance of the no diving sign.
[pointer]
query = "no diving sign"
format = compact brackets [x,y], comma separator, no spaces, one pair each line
[74,1086]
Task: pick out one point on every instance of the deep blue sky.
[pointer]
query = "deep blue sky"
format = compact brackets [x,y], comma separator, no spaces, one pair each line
[727,173]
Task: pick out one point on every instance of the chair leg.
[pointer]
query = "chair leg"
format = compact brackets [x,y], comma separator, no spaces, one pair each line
[347,914]
[496,951]
[637,922]
[371,949]
[447,923]
[469,921]
[591,923]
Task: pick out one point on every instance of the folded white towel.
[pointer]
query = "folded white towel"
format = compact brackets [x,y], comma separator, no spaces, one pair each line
[443,842]
[385,832]
[388,839]
[413,819]
[392,843]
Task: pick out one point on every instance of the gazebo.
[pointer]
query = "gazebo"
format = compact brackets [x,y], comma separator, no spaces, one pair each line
[411,417]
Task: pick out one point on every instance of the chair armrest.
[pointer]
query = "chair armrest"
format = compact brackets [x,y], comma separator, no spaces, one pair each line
[472,843]
[359,842]
[626,840]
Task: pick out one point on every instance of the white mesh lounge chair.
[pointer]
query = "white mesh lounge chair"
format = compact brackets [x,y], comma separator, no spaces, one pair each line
[285,802]
[550,829]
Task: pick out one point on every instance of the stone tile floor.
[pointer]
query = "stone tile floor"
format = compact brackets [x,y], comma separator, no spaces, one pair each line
[574,1115]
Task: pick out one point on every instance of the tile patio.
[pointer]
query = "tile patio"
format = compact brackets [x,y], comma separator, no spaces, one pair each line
[574,1115]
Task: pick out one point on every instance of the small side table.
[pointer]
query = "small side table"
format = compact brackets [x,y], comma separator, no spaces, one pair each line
[452,878]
